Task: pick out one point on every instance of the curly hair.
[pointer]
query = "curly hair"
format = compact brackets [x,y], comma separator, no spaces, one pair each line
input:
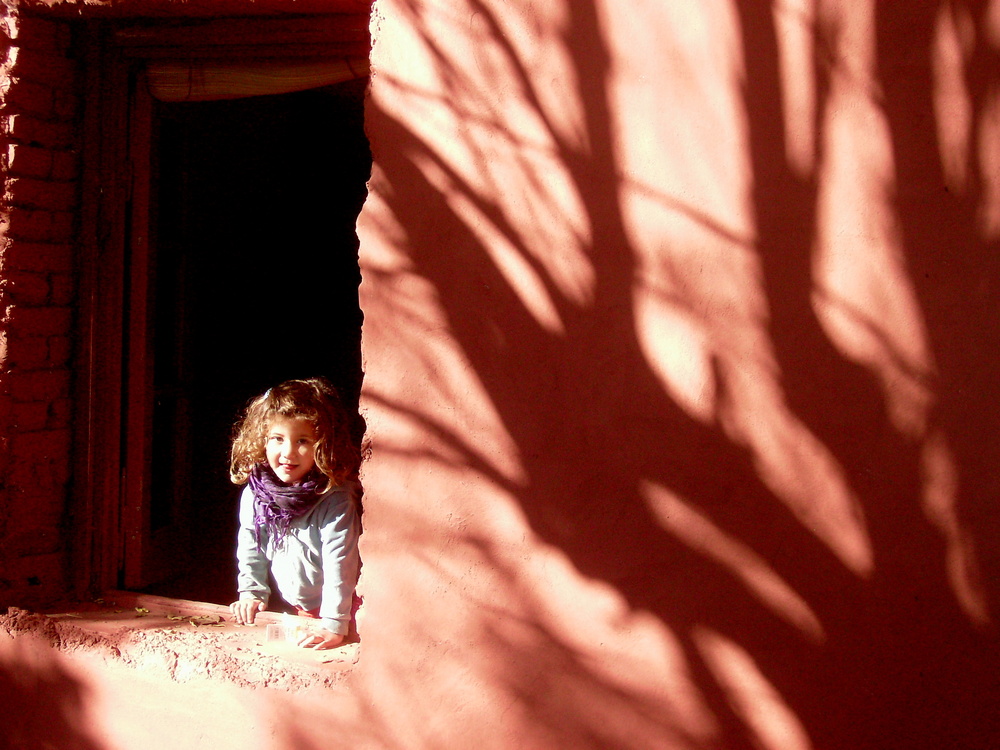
[314,399]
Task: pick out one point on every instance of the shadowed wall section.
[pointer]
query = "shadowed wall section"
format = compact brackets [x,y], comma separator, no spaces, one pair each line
[680,374]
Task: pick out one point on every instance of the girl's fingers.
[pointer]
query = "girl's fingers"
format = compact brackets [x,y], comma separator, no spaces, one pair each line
[326,643]
[244,610]
[320,642]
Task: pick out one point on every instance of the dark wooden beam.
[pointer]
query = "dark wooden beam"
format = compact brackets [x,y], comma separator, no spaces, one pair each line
[333,29]
[97,9]
[242,52]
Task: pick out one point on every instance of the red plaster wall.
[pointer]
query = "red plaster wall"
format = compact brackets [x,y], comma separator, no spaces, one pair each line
[681,374]
[39,121]
[680,382]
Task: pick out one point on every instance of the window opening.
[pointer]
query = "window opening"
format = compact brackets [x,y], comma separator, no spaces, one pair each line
[255,280]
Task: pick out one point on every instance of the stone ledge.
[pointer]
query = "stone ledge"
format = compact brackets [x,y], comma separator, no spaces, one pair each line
[183,640]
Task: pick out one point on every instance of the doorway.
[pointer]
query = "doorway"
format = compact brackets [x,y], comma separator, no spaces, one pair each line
[252,279]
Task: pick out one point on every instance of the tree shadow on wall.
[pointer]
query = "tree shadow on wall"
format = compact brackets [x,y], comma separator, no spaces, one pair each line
[900,663]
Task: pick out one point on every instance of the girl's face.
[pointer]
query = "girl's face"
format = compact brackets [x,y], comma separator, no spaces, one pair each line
[290,449]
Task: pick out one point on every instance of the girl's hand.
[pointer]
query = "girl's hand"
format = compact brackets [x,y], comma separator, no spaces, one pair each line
[245,610]
[322,639]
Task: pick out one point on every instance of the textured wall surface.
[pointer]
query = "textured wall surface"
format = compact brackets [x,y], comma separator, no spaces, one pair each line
[681,374]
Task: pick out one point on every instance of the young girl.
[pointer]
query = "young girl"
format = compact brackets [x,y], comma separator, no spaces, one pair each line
[299,511]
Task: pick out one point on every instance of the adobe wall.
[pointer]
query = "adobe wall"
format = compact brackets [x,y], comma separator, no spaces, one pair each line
[681,374]
[40,161]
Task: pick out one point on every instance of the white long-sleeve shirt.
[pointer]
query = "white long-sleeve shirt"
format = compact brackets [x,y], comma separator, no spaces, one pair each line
[317,564]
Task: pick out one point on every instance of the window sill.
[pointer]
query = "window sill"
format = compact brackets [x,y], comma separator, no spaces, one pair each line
[187,640]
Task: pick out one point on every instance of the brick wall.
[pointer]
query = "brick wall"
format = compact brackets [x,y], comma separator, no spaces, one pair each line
[39,128]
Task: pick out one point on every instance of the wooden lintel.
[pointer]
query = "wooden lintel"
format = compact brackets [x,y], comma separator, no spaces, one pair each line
[241,32]
[173,9]
[248,52]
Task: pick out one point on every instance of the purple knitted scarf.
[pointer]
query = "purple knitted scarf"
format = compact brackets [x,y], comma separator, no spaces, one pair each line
[276,504]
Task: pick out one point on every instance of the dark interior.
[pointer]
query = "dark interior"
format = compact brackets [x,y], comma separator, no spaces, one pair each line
[256,281]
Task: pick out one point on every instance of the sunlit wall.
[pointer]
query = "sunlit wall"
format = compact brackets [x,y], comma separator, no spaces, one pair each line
[681,374]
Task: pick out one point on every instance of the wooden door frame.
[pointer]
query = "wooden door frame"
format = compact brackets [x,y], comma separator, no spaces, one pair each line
[114,343]
[147,551]
[99,546]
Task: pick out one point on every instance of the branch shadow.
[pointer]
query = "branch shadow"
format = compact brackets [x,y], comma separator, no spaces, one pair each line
[904,662]
[899,664]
